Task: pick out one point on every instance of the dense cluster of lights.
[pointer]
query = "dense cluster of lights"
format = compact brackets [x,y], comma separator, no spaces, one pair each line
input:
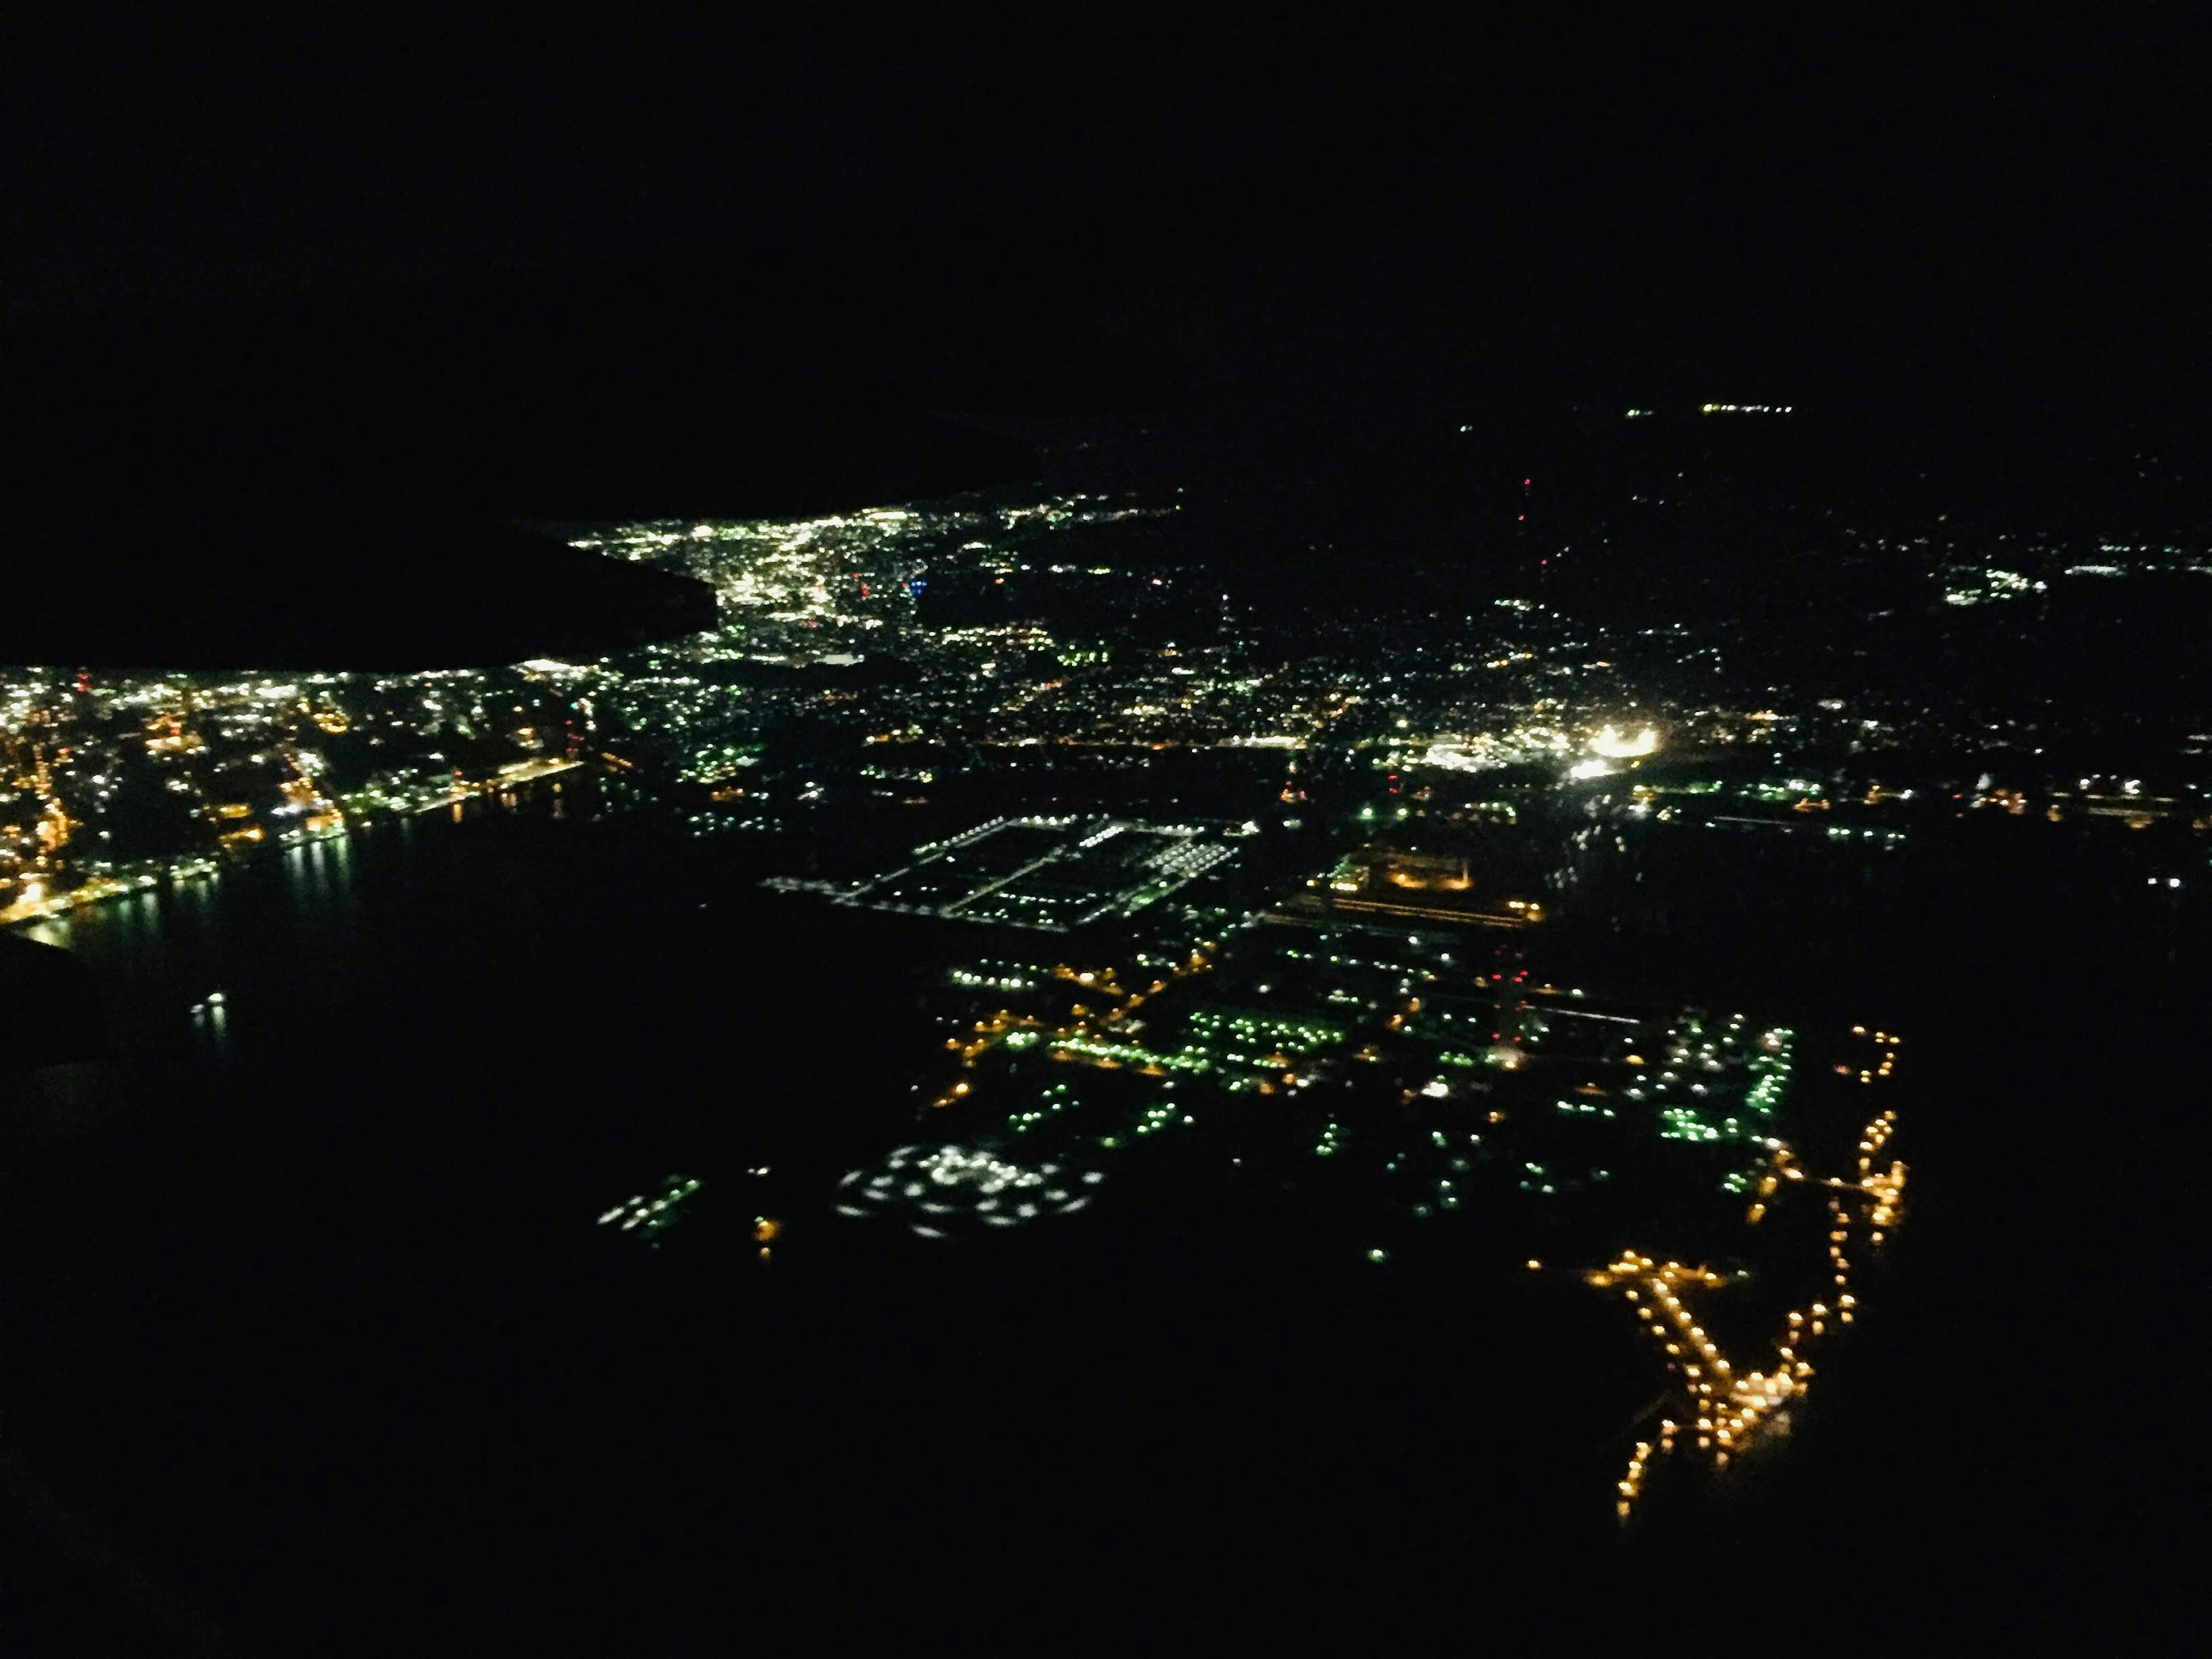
[1091,867]
[1993,585]
[1715,1080]
[191,732]
[802,600]
[1261,1042]
[1690,1090]
[1613,744]
[938,1187]
[1726,1408]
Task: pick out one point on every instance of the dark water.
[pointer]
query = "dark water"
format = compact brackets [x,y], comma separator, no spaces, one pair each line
[309,1326]
[310,1340]
[2004,1446]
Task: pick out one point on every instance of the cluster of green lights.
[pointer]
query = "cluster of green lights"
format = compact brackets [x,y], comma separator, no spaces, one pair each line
[1160,1115]
[1210,1026]
[1128,1053]
[1211,1035]
[1683,1124]
[1584,1109]
[1146,895]
[1056,1099]
[1332,1139]
[1770,1072]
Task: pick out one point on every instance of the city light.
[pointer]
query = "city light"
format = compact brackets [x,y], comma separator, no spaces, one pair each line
[1274,902]
[1613,744]
[1733,1408]
[931,1188]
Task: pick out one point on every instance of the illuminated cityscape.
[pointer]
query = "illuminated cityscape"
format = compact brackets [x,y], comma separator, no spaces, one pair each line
[1043,839]
[1249,899]
[859,670]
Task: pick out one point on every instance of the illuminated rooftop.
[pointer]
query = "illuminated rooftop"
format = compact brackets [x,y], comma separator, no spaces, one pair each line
[1051,874]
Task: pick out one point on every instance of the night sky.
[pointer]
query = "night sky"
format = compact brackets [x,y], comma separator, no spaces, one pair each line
[1361,213]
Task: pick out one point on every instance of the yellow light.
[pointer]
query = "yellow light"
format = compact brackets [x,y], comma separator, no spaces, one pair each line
[1611,744]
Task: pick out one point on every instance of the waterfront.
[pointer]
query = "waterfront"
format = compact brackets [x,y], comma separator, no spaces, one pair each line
[342,1243]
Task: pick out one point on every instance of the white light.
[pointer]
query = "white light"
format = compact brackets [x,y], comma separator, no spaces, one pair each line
[1610,742]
